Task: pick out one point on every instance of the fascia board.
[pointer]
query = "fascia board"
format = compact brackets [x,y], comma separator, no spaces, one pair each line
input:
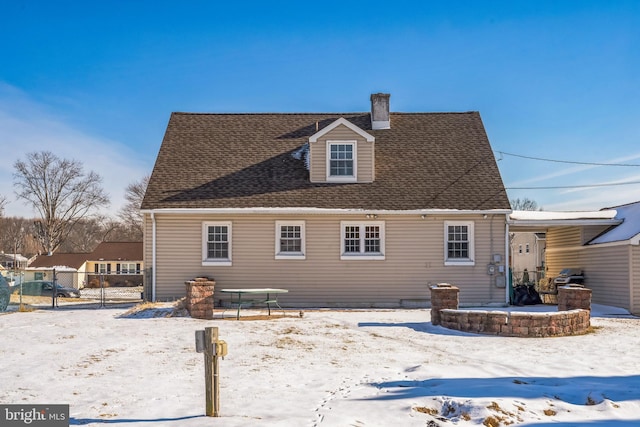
[345,122]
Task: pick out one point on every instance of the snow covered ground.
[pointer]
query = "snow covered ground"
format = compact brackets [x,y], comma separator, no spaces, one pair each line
[327,368]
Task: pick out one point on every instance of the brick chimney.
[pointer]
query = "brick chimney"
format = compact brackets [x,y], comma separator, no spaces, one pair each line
[380,111]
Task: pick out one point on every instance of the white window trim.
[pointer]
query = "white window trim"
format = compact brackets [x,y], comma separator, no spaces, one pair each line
[362,256]
[205,231]
[100,265]
[128,264]
[342,178]
[460,261]
[290,255]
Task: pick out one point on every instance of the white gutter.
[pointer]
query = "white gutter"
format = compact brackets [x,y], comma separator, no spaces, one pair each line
[153,257]
[561,222]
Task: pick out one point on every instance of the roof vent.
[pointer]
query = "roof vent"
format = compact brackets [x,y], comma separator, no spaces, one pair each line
[380,111]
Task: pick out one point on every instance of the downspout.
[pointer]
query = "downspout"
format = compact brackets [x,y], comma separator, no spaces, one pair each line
[507,261]
[493,277]
[153,257]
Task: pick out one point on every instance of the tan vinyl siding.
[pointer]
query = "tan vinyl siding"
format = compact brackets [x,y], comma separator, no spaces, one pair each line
[606,268]
[607,274]
[364,155]
[589,232]
[414,258]
[635,279]
[563,249]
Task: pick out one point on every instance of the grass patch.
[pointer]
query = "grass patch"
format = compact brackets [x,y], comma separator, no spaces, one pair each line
[425,410]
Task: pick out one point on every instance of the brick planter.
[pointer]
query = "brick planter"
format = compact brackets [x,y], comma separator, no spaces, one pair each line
[517,324]
[443,296]
[572,317]
[200,300]
[571,297]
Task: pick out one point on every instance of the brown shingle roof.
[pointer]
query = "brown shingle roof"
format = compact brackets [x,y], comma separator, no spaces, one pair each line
[117,251]
[73,260]
[425,161]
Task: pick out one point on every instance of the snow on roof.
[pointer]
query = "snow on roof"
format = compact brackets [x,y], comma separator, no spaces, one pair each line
[629,229]
[55,267]
[556,216]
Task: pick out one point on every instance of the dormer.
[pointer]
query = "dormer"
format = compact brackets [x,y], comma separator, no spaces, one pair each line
[342,152]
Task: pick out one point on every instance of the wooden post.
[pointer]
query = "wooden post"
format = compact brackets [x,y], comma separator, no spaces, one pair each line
[211,377]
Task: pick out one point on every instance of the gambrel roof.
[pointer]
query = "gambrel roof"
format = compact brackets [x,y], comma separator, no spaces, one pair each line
[424,161]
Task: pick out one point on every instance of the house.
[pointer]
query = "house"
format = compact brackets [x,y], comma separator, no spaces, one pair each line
[604,244]
[341,209]
[9,260]
[118,263]
[527,254]
[69,269]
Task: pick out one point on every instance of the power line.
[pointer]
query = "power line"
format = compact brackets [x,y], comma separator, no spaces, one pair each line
[572,186]
[568,161]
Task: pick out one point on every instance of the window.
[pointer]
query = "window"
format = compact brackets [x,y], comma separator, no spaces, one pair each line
[459,247]
[290,242]
[519,249]
[362,240]
[128,268]
[216,247]
[341,160]
[104,268]
[526,248]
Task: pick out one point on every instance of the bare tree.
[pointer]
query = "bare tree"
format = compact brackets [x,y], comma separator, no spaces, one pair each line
[60,191]
[130,212]
[525,204]
[3,203]
[14,234]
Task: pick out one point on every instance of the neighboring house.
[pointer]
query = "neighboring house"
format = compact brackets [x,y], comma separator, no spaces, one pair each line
[9,260]
[341,209]
[118,263]
[527,253]
[69,268]
[605,244]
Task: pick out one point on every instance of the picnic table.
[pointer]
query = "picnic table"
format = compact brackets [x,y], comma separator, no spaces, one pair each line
[248,296]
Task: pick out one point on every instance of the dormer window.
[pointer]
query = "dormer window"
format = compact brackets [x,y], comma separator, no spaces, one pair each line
[341,152]
[341,160]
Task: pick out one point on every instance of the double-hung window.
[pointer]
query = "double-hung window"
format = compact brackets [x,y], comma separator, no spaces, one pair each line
[127,268]
[102,268]
[459,244]
[341,161]
[362,240]
[290,240]
[216,243]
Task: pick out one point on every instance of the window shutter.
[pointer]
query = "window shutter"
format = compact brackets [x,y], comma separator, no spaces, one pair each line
[118,268]
[109,268]
[137,268]
[95,268]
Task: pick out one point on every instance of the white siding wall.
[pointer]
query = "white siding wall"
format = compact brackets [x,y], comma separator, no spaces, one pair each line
[414,258]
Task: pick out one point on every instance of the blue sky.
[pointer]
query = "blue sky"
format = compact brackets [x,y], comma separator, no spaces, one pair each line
[97,81]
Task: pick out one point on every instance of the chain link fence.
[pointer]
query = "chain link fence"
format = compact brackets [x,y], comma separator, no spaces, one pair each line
[99,289]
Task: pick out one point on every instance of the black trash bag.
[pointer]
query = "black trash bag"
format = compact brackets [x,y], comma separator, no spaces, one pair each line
[526,295]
